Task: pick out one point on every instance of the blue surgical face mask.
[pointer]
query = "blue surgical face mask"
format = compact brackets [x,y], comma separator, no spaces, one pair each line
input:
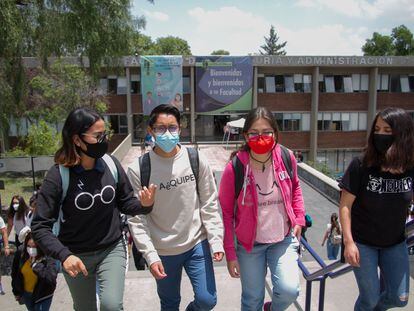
[167,141]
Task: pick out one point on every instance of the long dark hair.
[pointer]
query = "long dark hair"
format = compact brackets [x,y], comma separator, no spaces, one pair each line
[254,115]
[21,211]
[400,156]
[78,122]
[335,223]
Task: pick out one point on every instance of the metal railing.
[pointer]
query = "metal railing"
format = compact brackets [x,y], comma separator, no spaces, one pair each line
[333,270]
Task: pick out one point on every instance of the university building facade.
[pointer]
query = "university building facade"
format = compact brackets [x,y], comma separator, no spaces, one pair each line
[324,105]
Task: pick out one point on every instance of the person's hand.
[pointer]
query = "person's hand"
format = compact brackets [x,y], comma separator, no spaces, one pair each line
[351,254]
[234,268]
[73,265]
[297,231]
[147,195]
[218,256]
[7,251]
[157,270]
[17,298]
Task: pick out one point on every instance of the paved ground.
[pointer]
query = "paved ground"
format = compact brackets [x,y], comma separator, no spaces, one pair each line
[140,292]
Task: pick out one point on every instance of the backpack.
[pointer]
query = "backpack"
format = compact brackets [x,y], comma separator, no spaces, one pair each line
[145,167]
[308,220]
[64,175]
[238,169]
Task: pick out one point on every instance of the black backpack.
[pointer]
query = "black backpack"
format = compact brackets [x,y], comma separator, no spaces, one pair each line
[145,166]
[239,170]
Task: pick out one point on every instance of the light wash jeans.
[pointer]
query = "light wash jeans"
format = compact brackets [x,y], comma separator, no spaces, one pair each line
[332,250]
[393,264]
[198,265]
[282,260]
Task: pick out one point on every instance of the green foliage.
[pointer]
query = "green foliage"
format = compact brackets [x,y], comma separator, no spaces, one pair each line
[378,45]
[41,140]
[220,52]
[172,46]
[55,93]
[271,47]
[322,167]
[402,40]
[399,43]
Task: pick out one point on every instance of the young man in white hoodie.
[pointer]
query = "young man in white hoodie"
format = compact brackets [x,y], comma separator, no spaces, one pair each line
[185,226]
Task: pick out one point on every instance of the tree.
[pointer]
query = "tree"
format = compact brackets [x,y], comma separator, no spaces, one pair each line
[143,45]
[399,43]
[54,93]
[402,39]
[41,140]
[220,52]
[172,46]
[271,47]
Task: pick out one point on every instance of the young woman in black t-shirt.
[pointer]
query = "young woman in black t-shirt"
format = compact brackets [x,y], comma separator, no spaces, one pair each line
[376,192]
[90,244]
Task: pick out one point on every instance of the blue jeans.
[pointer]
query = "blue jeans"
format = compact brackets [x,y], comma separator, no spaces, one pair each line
[281,258]
[332,250]
[43,305]
[393,264]
[198,265]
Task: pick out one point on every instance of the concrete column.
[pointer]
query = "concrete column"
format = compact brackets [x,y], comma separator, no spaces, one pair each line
[372,97]
[255,87]
[129,107]
[314,115]
[192,106]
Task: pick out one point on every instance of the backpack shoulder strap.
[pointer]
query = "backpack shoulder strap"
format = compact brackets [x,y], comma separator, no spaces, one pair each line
[64,176]
[112,166]
[287,161]
[194,163]
[238,175]
[145,169]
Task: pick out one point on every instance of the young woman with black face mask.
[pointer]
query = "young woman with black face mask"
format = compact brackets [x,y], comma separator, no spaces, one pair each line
[87,206]
[376,192]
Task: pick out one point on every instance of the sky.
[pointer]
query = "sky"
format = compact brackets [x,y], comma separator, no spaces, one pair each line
[310,27]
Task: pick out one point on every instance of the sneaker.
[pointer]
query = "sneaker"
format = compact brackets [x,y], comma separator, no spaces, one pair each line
[267,305]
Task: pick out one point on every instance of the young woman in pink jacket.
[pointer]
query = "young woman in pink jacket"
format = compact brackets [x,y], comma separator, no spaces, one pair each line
[263,222]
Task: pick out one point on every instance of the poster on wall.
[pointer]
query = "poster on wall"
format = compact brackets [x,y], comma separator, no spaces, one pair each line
[161,82]
[223,84]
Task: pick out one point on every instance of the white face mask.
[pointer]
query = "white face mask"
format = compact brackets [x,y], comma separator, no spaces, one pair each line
[16,206]
[32,251]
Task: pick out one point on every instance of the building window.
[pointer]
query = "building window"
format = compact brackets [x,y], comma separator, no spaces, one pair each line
[382,82]
[112,85]
[119,123]
[395,85]
[405,86]
[293,121]
[103,87]
[186,85]
[270,84]
[135,84]
[260,84]
[411,82]
[289,84]
[342,121]
[121,86]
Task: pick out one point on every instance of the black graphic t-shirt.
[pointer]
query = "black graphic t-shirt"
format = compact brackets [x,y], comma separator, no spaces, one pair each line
[379,211]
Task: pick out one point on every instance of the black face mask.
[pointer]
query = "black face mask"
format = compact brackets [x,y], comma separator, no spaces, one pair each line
[97,150]
[383,142]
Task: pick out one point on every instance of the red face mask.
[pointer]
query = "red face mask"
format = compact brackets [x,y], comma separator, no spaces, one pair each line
[261,145]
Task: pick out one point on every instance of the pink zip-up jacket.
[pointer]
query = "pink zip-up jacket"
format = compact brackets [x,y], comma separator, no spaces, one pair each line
[243,224]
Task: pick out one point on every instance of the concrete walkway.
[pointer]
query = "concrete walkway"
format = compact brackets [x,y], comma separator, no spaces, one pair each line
[140,287]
